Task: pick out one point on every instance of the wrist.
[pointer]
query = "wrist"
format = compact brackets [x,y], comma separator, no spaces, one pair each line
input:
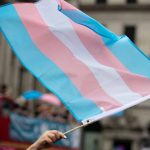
[34,147]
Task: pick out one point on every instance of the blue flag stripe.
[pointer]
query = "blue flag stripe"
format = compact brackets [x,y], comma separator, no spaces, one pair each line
[131,56]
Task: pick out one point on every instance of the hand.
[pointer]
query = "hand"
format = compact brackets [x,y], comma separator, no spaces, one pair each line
[47,139]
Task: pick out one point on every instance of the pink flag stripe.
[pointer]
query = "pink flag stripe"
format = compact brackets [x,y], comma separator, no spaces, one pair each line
[96,47]
[66,5]
[36,27]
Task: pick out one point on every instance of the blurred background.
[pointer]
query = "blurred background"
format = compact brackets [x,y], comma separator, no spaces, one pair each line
[27,109]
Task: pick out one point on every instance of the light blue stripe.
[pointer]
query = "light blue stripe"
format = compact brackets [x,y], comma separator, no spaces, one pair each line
[131,56]
[83,19]
[40,66]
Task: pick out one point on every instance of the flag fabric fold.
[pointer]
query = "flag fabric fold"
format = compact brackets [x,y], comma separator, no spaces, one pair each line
[94,72]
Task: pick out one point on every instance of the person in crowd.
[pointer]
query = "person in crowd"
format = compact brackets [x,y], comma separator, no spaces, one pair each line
[4,96]
[46,140]
[7,103]
[4,91]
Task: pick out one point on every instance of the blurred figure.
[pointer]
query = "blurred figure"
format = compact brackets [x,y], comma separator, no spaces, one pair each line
[7,103]
[4,90]
[46,140]
[3,95]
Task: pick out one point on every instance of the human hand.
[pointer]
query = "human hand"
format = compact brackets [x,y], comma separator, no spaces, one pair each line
[48,138]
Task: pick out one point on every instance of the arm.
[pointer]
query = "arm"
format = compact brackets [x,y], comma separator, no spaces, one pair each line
[46,140]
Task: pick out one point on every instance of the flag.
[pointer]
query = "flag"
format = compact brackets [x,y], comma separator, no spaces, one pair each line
[30,95]
[51,99]
[94,72]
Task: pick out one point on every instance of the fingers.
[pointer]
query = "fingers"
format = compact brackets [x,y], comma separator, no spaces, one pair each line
[48,141]
[54,135]
[62,135]
[48,138]
[58,134]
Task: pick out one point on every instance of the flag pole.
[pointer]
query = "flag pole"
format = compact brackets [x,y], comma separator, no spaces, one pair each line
[74,129]
[108,113]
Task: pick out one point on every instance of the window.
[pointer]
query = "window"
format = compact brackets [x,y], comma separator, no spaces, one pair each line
[35,84]
[12,59]
[130,31]
[20,79]
[131,1]
[101,1]
[122,144]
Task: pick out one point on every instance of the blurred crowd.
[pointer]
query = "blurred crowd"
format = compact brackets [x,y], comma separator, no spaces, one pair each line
[32,108]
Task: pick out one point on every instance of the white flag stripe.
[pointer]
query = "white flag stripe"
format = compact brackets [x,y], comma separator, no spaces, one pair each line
[114,111]
[61,27]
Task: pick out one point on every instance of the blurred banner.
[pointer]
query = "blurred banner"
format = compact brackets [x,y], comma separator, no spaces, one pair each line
[22,146]
[29,129]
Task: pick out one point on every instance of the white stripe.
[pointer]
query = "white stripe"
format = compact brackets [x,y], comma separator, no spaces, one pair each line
[107,77]
[114,111]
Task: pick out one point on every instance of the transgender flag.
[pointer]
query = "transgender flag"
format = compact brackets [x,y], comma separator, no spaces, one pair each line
[94,72]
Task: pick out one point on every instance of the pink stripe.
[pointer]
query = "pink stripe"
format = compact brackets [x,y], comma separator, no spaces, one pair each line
[61,55]
[65,5]
[138,83]
[96,47]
